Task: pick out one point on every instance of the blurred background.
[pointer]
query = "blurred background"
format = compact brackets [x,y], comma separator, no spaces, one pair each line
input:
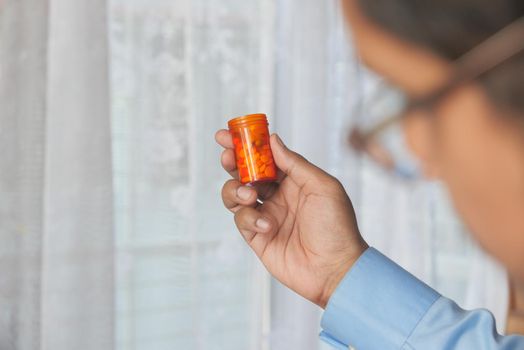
[112,231]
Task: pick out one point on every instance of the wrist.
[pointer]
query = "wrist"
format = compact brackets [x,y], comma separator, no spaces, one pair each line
[338,275]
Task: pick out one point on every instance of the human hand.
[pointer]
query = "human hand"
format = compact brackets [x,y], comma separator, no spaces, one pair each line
[305,232]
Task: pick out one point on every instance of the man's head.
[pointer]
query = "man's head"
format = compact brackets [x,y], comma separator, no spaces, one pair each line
[473,140]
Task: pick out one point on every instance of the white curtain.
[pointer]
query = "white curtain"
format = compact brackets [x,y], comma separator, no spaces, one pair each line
[112,232]
[56,218]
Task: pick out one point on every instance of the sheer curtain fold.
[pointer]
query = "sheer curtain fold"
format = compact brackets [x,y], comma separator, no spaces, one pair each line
[23,34]
[56,218]
[78,250]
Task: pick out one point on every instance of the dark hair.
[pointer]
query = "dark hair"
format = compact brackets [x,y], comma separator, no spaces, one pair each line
[450,28]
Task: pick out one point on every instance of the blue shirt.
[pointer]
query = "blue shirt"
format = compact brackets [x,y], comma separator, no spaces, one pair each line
[379,305]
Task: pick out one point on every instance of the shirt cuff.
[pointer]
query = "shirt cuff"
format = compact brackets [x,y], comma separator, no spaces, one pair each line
[376,306]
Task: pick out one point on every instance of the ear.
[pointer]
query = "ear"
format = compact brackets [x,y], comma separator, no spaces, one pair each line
[419,131]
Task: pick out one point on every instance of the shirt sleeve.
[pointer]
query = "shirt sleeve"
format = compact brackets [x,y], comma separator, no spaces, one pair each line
[379,305]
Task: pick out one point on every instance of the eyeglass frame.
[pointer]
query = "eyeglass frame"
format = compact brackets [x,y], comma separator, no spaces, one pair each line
[490,54]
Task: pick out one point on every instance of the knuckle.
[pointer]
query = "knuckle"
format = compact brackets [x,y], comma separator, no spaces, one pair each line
[226,153]
[241,218]
[228,190]
[230,186]
[334,184]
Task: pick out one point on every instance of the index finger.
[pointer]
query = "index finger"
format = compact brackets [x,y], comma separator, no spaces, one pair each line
[224,139]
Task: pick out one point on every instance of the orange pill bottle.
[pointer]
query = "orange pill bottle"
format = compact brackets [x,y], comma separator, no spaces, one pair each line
[252,150]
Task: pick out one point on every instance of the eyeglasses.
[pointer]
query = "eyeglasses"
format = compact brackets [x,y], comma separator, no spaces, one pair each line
[384,142]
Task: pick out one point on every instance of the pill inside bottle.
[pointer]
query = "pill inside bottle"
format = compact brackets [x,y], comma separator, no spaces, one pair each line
[252,149]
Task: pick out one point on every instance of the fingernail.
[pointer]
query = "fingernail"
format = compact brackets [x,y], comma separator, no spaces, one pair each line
[243,193]
[262,224]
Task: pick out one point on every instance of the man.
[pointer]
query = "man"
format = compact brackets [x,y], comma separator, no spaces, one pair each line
[461,65]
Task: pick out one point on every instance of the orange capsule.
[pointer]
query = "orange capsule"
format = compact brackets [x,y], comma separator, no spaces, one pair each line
[270,172]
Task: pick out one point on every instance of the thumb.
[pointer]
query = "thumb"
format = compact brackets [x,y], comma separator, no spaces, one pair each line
[296,167]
